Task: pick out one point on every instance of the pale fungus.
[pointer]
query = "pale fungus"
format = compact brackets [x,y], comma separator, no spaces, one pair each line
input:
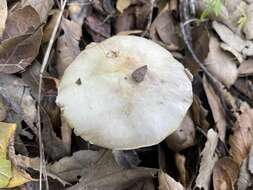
[126,92]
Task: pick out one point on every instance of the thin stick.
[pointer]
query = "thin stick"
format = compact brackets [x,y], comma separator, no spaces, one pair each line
[43,67]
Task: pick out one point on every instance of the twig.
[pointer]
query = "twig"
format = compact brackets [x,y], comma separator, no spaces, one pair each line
[43,67]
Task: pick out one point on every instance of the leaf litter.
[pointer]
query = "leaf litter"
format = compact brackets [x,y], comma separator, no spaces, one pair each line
[213,147]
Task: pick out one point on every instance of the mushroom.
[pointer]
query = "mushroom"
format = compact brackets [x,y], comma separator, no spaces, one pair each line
[124,93]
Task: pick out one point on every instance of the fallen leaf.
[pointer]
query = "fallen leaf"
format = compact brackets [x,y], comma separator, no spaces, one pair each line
[242,138]
[248,26]
[168,183]
[244,86]
[199,114]
[6,131]
[165,29]
[225,173]
[97,28]
[250,165]
[235,53]
[79,10]
[3,15]
[16,94]
[3,109]
[42,7]
[105,174]
[22,25]
[72,168]
[246,68]
[125,21]
[49,27]
[208,160]
[121,5]
[221,65]
[126,158]
[67,45]
[9,175]
[183,137]
[181,167]
[217,109]
[245,180]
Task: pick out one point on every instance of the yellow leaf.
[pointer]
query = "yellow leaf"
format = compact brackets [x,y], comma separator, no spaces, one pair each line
[123,4]
[18,178]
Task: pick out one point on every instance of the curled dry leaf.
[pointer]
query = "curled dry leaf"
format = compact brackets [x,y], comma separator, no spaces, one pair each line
[183,137]
[217,109]
[225,173]
[221,65]
[245,179]
[3,15]
[125,21]
[165,29]
[41,7]
[168,183]
[242,138]
[208,160]
[22,36]
[235,53]
[67,45]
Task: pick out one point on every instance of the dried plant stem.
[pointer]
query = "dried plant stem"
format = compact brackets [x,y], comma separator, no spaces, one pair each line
[43,67]
[152,2]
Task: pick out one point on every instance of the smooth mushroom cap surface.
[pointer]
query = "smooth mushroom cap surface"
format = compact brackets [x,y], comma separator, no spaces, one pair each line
[126,92]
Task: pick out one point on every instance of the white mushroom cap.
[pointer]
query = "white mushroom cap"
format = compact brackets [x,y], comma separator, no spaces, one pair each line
[108,106]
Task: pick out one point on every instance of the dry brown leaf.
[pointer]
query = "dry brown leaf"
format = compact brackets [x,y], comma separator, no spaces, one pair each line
[22,27]
[217,109]
[126,158]
[183,137]
[199,114]
[168,183]
[72,168]
[3,15]
[79,10]
[67,45]
[242,138]
[244,86]
[208,160]
[225,173]
[42,7]
[48,29]
[246,68]
[181,167]
[250,165]
[165,29]
[97,28]
[16,94]
[221,65]
[125,21]
[245,180]
[105,174]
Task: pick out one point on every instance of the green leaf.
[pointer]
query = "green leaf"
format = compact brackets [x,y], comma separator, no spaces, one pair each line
[217,7]
[204,14]
[5,172]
